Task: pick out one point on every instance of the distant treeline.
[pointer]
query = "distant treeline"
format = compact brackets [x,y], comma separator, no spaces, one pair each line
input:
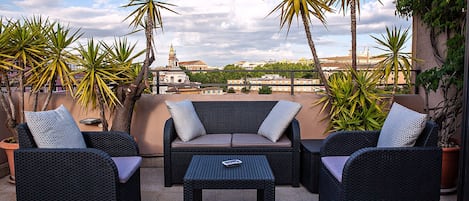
[221,77]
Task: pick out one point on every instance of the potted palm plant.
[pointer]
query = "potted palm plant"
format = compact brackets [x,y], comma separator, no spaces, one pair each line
[35,54]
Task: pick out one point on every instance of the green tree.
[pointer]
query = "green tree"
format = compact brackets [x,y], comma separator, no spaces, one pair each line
[304,9]
[147,17]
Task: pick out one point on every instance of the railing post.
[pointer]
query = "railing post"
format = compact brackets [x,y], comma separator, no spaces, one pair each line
[157,82]
[292,84]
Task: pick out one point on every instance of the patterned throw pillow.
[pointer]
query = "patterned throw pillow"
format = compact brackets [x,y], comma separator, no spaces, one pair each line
[54,129]
[186,121]
[402,127]
[278,119]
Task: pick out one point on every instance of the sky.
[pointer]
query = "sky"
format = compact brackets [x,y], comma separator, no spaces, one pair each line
[218,32]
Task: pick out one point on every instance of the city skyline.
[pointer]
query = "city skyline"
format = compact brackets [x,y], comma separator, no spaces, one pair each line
[217,32]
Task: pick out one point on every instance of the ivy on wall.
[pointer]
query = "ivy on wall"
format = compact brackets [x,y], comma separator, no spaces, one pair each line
[447,18]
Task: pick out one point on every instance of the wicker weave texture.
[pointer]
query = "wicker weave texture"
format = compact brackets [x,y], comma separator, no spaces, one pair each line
[371,173]
[74,174]
[207,172]
[230,117]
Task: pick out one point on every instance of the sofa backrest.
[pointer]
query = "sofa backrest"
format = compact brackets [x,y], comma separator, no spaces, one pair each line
[232,116]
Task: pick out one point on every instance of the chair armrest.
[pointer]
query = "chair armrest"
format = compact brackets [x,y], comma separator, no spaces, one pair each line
[169,134]
[114,143]
[293,133]
[73,172]
[414,170]
[344,143]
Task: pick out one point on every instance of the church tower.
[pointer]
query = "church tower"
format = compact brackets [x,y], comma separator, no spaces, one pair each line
[173,62]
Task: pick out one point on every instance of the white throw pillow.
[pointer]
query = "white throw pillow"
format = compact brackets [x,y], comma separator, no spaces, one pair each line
[402,127]
[54,129]
[278,119]
[187,123]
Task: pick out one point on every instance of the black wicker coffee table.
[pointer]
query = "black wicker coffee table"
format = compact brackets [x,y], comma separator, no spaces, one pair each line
[207,172]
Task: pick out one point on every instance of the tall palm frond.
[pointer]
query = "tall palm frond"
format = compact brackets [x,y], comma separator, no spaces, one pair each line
[58,61]
[395,60]
[96,74]
[354,6]
[96,77]
[147,9]
[306,9]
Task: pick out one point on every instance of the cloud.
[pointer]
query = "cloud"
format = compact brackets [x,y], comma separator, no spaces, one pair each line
[218,32]
[38,4]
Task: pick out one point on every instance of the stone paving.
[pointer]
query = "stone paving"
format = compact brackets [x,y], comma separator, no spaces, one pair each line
[153,190]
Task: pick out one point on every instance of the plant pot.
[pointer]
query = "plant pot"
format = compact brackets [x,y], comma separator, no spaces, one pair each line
[9,150]
[449,169]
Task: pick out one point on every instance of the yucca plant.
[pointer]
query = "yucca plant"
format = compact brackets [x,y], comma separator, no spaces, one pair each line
[395,60]
[97,74]
[354,102]
[56,65]
[23,48]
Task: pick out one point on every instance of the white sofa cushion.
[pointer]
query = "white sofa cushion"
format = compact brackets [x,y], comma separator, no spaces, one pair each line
[278,119]
[54,129]
[402,127]
[186,121]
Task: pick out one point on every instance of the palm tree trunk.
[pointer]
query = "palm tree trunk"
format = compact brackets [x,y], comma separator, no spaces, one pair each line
[49,94]
[21,98]
[122,115]
[317,63]
[9,107]
[353,18]
[102,113]
[36,99]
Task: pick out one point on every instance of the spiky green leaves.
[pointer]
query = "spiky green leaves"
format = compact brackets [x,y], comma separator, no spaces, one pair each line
[354,101]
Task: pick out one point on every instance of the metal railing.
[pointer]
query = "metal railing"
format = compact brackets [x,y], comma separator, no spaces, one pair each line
[158,83]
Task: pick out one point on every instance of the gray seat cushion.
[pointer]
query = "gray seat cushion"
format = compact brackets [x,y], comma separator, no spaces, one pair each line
[335,165]
[209,140]
[255,140]
[126,166]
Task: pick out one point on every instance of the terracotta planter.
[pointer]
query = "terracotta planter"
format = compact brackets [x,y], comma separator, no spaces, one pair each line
[449,169]
[9,149]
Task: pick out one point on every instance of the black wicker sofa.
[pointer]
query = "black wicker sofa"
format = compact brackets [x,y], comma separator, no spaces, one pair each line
[233,117]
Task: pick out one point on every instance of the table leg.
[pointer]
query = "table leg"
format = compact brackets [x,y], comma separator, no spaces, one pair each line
[191,194]
[267,194]
[197,195]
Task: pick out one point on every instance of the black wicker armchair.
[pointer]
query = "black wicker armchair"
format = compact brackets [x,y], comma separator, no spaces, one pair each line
[371,173]
[75,174]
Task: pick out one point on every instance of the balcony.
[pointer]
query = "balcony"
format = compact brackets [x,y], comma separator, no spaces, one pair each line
[148,123]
